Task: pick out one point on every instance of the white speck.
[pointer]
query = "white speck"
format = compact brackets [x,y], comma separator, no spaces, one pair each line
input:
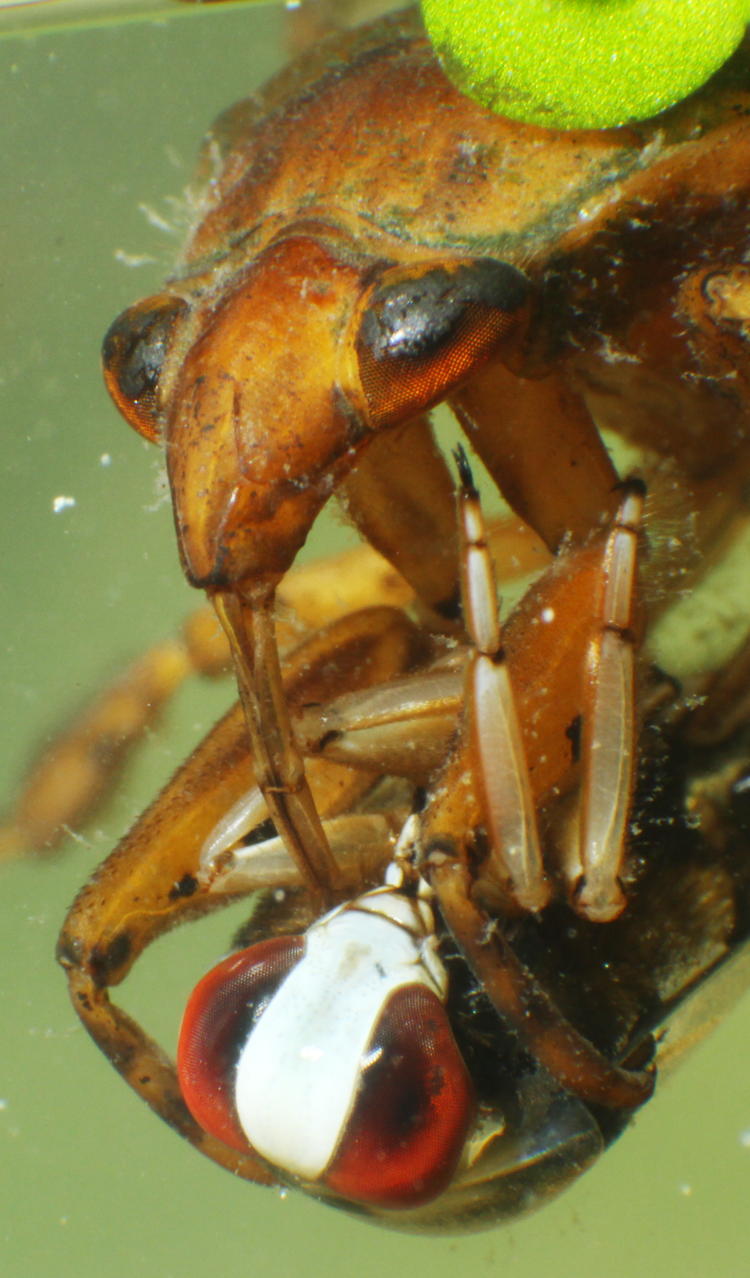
[105,459]
[745,1138]
[3,1103]
[155,219]
[311,1053]
[548,615]
[161,486]
[133,259]
[62,503]
[686,1190]
[283,1192]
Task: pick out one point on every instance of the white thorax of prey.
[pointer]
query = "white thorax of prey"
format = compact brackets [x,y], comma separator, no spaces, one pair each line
[299,1072]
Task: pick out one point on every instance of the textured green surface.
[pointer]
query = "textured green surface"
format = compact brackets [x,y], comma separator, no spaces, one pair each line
[583,63]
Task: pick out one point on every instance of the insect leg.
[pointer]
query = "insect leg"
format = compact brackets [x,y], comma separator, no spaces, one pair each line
[151,883]
[278,763]
[280,770]
[609,730]
[81,764]
[569,1057]
[400,496]
[498,743]
[541,447]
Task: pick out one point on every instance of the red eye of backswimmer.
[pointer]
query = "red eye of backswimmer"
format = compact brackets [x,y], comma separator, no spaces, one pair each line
[217,1021]
[405,1115]
[413,1108]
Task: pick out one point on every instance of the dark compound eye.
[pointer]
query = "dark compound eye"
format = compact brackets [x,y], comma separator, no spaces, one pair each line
[133,354]
[424,333]
[416,316]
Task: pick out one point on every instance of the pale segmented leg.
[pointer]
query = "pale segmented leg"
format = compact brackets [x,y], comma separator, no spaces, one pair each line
[588,603]
[508,803]
[495,727]
[609,721]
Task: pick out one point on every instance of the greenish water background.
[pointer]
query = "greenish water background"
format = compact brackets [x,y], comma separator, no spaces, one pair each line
[94,125]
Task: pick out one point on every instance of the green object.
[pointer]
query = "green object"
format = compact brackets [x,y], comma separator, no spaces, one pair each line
[570,64]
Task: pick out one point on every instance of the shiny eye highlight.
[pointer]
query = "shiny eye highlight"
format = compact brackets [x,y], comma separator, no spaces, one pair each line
[425,331]
[133,354]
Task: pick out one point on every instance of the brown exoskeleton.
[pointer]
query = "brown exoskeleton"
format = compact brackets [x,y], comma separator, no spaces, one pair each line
[372,244]
[345,279]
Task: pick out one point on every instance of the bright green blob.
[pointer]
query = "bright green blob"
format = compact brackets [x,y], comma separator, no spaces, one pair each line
[583,63]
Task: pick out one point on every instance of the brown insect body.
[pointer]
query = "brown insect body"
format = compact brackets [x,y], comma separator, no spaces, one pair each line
[371,243]
[365,158]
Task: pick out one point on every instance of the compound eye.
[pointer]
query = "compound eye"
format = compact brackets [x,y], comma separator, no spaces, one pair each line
[218,1019]
[413,1109]
[298,1050]
[133,354]
[426,331]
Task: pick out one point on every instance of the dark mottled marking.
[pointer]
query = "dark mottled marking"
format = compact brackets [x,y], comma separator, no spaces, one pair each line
[328,738]
[450,608]
[266,830]
[103,962]
[186,886]
[573,733]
